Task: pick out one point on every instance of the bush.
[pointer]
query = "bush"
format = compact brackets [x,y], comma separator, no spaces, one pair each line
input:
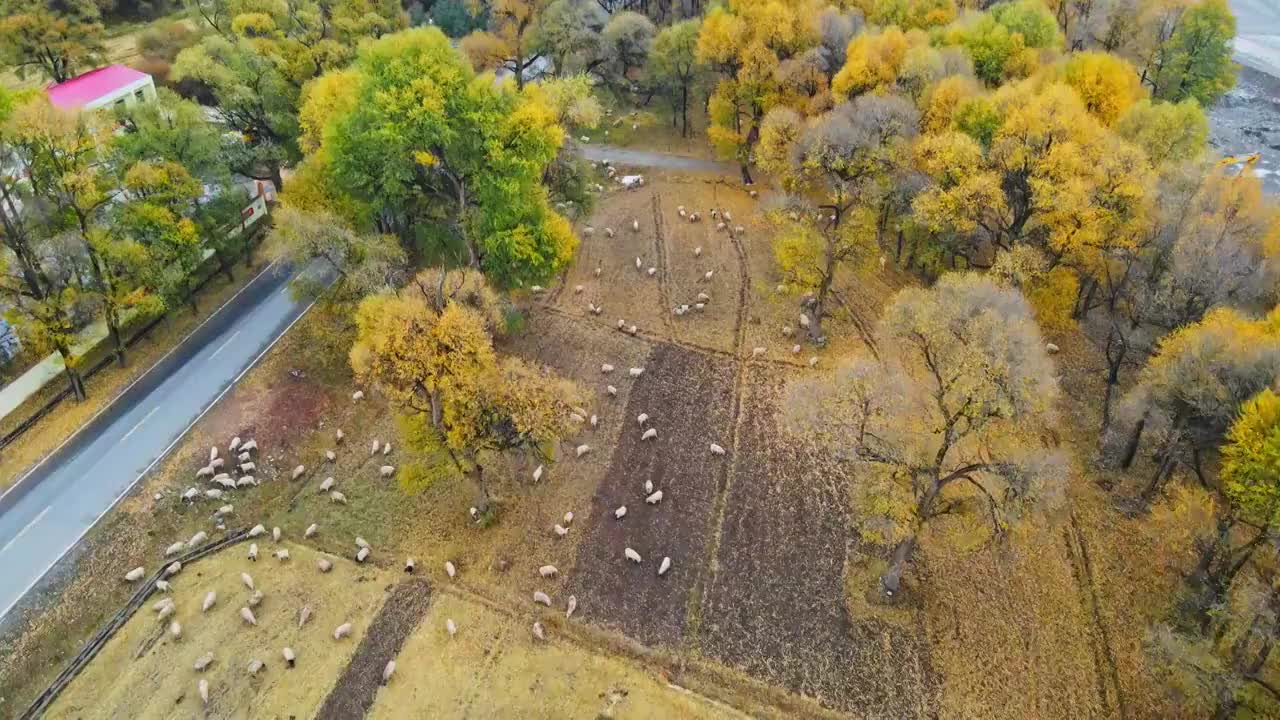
[164,42]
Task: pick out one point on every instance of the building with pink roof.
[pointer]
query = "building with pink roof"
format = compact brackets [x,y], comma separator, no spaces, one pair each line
[106,87]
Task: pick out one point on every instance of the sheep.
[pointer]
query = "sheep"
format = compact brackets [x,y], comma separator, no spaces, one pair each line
[204,472]
[588,231]
[738,230]
[813,360]
[1052,349]
[695,217]
[758,350]
[595,421]
[537,631]
[639,264]
[388,671]
[697,252]
[664,567]
[213,454]
[804,320]
[649,434]
[571,606]
[560,530]
[248,581]
[577,289]
[582,450]
[699,306]
[324,565]
[257,530]
[218,464]
[203,662]
[611,390]
[652,271]
[174,549]
[451,627]
[249,446]
[548,571]
[386,449]
[606,368]
[342,631]
[541,597]
[161,603]
[235,443]
[449,569]
[174,568]
[244,457]
[575,417]
[163,586]
[166,611]
[632,555]
[225,510]
[297,472]
[339,436]
[253,552]
[191,494]
[537,474]
[716,449]
[636,372]
[203,687]
[210,598]
[754,194]
[175,629]
[387,471]
[375,447]
[609,232]
[727,216]
[255,599]
[326,485]
[681,212]
[213,494]
[620,513]
[648,487]
[642,418]
[338,497]
[787,331]
[282,554]
[635,225]
[311,530]
[708,275]
[361,542]
[703,297]
[357,396]
[632,330]
[330,456]
[655,498]
[248,468]
[362,555]
[795,349]
[409,566]
[289,657]
[246,481]
[304,615]
[720,226]
[254,666]
[247,615]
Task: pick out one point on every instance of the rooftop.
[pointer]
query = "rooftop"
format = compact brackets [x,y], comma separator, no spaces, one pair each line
[92,85]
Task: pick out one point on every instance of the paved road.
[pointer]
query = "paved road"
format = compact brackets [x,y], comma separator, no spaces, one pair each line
[51,509]
[646,158]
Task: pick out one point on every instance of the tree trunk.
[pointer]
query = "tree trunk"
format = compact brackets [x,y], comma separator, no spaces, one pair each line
[482,490]
[1162,473]
[277,177]
[684,110]
[225,266]
[73,375]
[891,580]
[1131,449]
[117,337]
[746,174]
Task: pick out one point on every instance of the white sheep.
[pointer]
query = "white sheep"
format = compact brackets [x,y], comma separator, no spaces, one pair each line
[203,687]
[326,485]
[197,538]
[804,320]
[387,471]
[720,226]
[588,231]
[218,464]
[225,510]
[386,449]
[620,513]
[339,436]
[362,555]
[568,518]
[388,671]
[174,549]
[289,656]
[282,554]
[160,604]
[342,631]
[166,611]
[297,472]
[548,571]
[541,597]
[571,606]
[648,487]
[213,494]
[639,264]
[575,417]
[708,274]
[213,454]
[642,418]
[304,615]
[738,230]
[537,474]
[311,530]
[174,568]
[606,368]
[595,421]
[613,391]
[248,467]
[226,482]
[255,599]
[449,569]
[649,434]
[451,627]
[253,552]
[582,450]
[324,565]
[204,472]
[249,446]
[795,349]
[409,566]
[357,395]
[632,555]
[813,360]
[247,580]
[697,252]
[652,271]
[665,566]
[210,598]
[203,662]
[247,481]
[704,298]
[538,632]
[577,289]
[655,498]
[560,530]
[609,232]
[191,494]
[375,447]
[175,629]
[163,586]
[330,456]
[635,225]
[716,449]
[338,497]
[636,372]
[254,666]
[257,530]
[727,216]
[244,457]
[235,443]
[247,615]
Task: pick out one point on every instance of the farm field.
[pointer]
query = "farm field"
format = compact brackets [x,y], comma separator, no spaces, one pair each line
[762,609]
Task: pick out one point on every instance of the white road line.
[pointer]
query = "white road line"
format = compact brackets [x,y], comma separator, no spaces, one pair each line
[159,457]
[180,343]
[224,345]
[135,427]
[23,531]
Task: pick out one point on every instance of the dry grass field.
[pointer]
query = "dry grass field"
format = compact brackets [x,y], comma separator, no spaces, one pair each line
[762,608]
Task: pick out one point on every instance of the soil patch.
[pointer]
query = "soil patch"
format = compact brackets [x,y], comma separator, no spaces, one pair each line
[775,605]
[358,686]
[687,396]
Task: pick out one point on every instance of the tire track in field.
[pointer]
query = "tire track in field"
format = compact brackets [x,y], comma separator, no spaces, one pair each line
[1110,693]
[663,264]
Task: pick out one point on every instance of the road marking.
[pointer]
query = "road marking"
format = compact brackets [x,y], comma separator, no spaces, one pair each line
[23,531]
[85,424]
[224,345]
[135,427]
[159,457]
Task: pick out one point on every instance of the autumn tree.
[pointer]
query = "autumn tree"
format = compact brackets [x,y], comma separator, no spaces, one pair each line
[624,47]
[847,157]
[570,33]
[1169,133]
[471,159]
[58,43]
[429,347]
[952,432]
[1190,56]
[674,68]
[361,264]
[1107,84]
[154,228]
[1005,41]
[172,129]
[513,40]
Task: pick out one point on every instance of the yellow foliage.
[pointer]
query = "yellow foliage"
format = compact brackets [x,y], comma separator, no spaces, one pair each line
[940,101]
[1052,296]
[875,60]
[1107,84]
[332,94]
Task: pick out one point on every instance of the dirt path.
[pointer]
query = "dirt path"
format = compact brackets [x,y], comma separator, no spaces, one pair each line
[1110,692]
[358,685]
